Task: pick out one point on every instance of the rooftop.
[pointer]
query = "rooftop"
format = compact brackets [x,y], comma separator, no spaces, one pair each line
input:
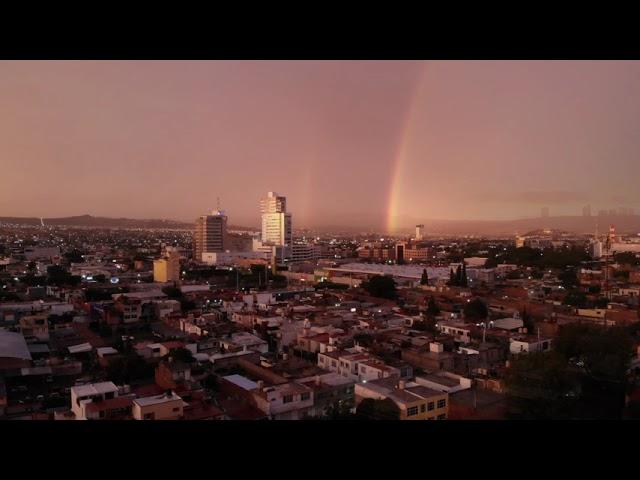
[242,382]
[94,389]
[157,399]
[13,345]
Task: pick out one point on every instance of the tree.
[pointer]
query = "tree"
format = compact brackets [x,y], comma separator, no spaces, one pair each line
[57,275]
[181,355]
[364,339]
[583,377]
[527,321]
[424,280]
[432,307]
[541,386]
[575,298]
[452,278]
[626,258]
[124,370]
[370,409]
[74,256]
[475,310]
[569,279]
[381,286]
[339,411]
[172,292]
[464,282]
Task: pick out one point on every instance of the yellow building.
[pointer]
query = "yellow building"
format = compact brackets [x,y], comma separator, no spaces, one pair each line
[167,269]
[414,401]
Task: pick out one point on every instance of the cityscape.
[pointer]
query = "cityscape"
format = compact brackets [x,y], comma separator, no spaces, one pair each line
[486,295]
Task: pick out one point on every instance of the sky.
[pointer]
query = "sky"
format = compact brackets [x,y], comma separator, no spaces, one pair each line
[347,142]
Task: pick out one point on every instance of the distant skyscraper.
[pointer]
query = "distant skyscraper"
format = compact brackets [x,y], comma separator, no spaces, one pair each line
[419,232]
[586,211]
[544,213]
[210,234]
[276,222]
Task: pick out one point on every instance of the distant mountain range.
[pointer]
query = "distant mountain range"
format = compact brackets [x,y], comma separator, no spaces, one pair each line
[91,221]
[577,224]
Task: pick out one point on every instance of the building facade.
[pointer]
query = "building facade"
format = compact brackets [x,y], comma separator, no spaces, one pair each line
[210,234]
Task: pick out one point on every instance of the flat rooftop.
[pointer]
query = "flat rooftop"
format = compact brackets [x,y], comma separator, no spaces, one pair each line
[13,345]
[157,399]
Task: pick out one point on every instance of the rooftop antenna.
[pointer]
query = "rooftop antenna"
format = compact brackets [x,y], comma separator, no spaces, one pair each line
[218,203]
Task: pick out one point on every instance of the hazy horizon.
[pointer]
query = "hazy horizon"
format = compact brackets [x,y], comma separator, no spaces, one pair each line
[383,142]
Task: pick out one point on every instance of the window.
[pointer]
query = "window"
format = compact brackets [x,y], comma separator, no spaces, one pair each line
[363,369]
[423,408]
[305,396]
[430,406]
[148,416]
[334,363]
[176,409]
[442,417]
[442,403]
[108,395]
[411,411]
[287,399]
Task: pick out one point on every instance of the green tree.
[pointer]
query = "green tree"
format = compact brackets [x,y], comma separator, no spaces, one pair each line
[339,411]
[74,256]
[475,310]
[180,355]
[541,386]
[126,369]
[432,307]
[575,298]
[381,286]
[370,409]
[527,321]
[626,258]
[424,280]
[569,279]
[172,292]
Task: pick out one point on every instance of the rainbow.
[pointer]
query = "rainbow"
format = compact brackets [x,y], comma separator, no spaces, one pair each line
[403,153]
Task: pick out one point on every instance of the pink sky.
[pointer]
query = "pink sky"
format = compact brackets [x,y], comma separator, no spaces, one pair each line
[346,142]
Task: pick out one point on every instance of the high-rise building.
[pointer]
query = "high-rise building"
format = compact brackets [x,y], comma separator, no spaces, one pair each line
[210,234]
[419,232]
[586,211]
[544,213]
[276,222]
[167,269]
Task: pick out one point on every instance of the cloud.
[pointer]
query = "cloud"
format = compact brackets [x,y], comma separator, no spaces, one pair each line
[557,197]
